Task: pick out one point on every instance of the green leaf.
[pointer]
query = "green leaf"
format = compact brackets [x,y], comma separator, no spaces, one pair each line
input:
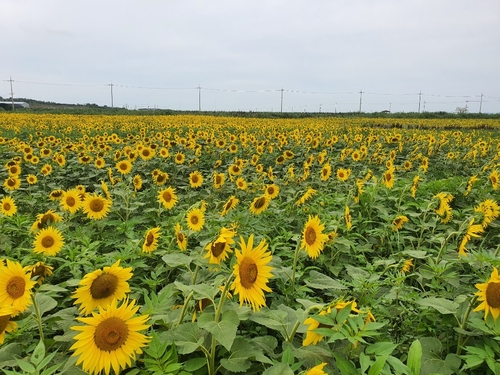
[194,364]
[174,260]
[223,331]
[279,369]
[377,367]
[38,353]
[237,361]
[419,254]
[318,280]
[45,303]
[287,357]
[188,338]
[381,348]
[443,305]
[25,366]
[414,361]
[345,366]
[52,369]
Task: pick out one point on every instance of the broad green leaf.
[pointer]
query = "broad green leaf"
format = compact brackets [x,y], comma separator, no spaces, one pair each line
[414,361]
[193,364]
[188,338]
[45,303]
[443,305]
[174,260]
[223,331]
[345,366]
[381,348]
[419,254]
[279,369]
[318,280]
[377,367]
[38,353]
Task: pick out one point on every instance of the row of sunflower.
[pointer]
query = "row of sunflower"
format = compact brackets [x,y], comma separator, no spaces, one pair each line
[348,232]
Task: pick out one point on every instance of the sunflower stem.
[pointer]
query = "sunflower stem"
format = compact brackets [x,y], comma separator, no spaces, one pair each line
[294,268]
[184,308]
[211,358]
[464,325]
[496,251]
[38,317]
[438,258]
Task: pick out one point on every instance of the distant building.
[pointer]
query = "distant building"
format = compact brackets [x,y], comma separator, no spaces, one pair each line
[17,105]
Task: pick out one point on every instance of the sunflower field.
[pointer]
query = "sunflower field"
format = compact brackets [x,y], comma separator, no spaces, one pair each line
[216,245]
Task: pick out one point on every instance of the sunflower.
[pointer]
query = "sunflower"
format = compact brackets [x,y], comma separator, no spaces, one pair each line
[168,198]
[408,264]
[12,183]
[229,205]
[317,370]
[398,222]
[180,237]
[388,178]
[99,163]
[272,191]
[195,219]
[101,287]
[414,185]
[137,181]
[124,166]
[110,338]
[147,153]
[179,158]
[489,295]
[31,179]
[473,230]
[241,184]
[40,271]
[48,241]
[259,204]
[46,169]
[14,170]
[306,196]
[312,338]
[470,184]
[56,194]
[96,207]
[490,211]
[161,178]
[494,179]
[219,179]
[70,201]
[234,170]
[195,179]
[326,172]
[218,250]
[8,206]
[252,273]
[313,238]
[6,325]
[15,286]
[343,174]
[348,218]
[444,210]
[151,240]
[44,220]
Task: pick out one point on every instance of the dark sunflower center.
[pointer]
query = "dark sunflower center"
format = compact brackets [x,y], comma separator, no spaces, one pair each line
[70,201]
[6,206]
[149,239]
[493,179]
[167,196]
[217,248]
[111,334]
[123,166]
[388,176]
[228,205]
[96,205]
[194,179]
[104,286]
[180,237]
[341,175]
[260,203]
[270,190]
[161,177]
[493,295]
[325,171]
[48,242]
[310,236]
[218,180]
[194,219]
[16,286]
[4,320]
[145,152]
[11,182]
[38,271]
[248,272]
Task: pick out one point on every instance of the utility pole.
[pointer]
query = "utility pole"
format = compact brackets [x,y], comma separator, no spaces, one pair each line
[281,108]
[199,97]
[481,103]
[11,92]
[419,100]
[111,86]
[360,99]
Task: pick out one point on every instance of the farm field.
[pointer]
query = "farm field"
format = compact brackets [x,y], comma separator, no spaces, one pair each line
[220,245]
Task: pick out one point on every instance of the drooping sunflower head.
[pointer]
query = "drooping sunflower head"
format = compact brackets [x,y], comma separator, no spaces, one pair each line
[56,194]
[96,207]
[15,286]
[317,370]
[180,237]
[151,240]
[252,273]
[219,249]
[259,204]
[137,181]
[313,238]
[8,206]
[398,222]
[6,325]
[44,220]
[40,271]
[99,288]
[110,339]
[489,295]
[231,203]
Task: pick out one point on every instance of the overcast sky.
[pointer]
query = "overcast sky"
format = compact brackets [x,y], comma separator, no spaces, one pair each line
[322,53]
